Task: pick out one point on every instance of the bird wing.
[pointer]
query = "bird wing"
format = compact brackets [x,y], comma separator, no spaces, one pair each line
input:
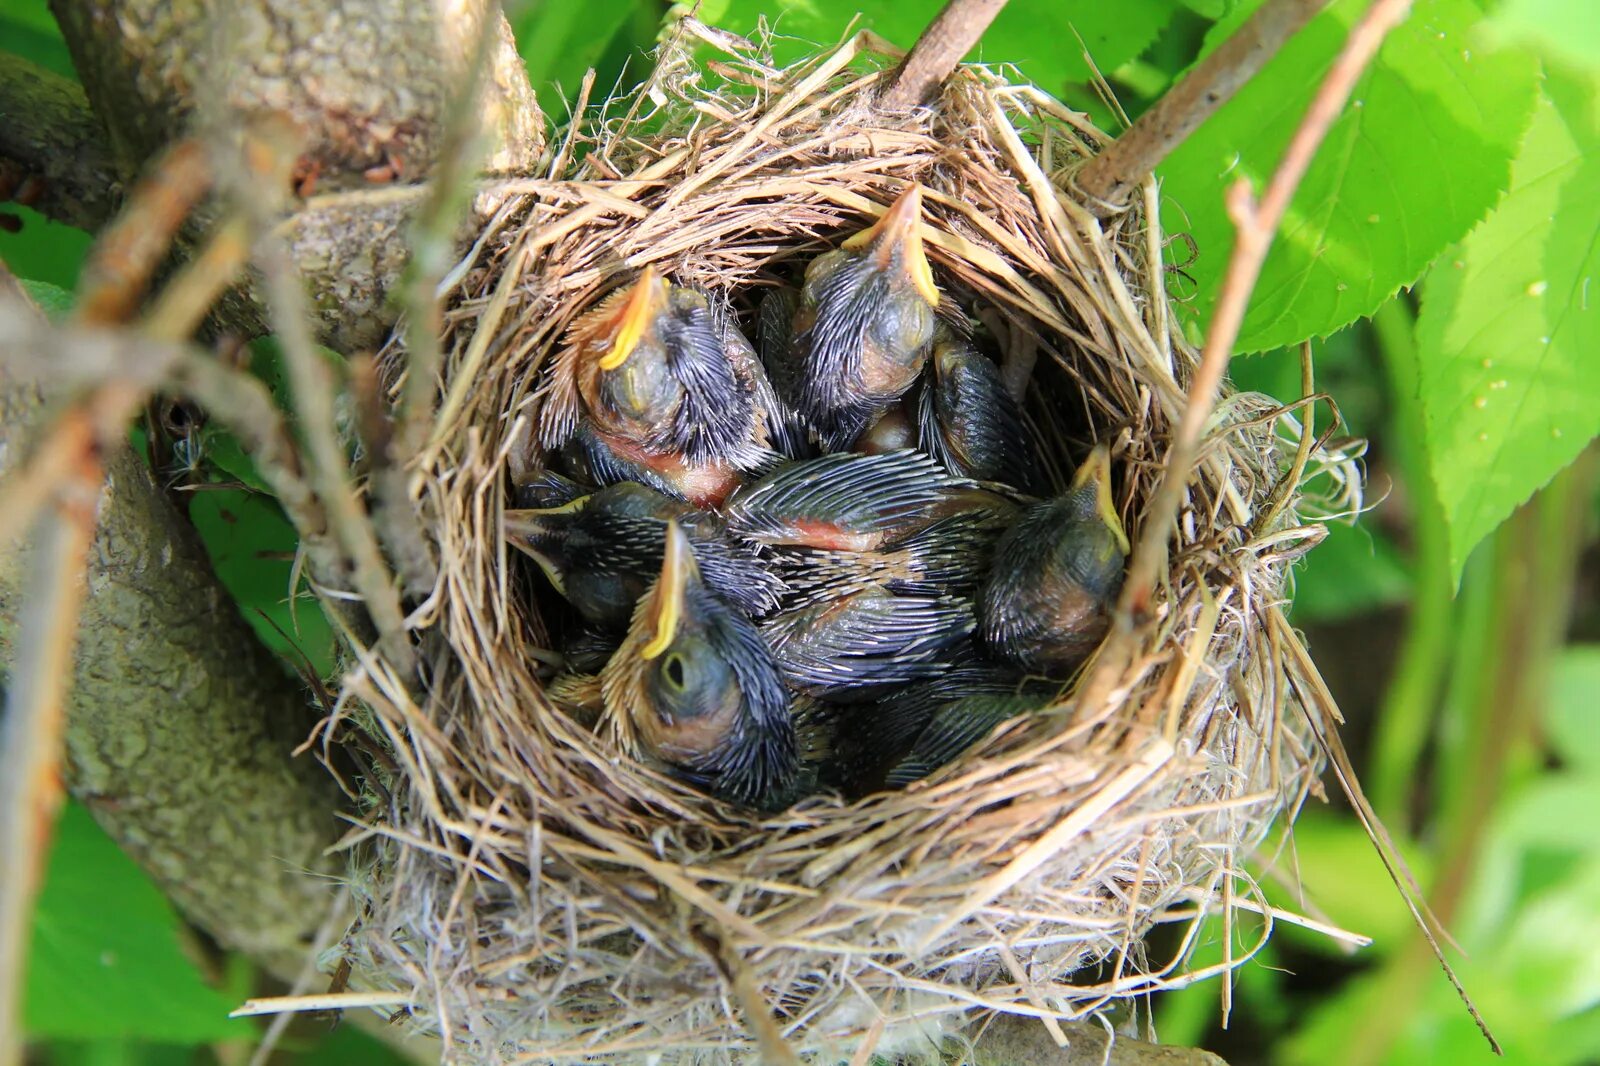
[871,640]
[839,501]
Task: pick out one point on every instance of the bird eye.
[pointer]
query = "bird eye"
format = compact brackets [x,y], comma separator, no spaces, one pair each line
[674,670]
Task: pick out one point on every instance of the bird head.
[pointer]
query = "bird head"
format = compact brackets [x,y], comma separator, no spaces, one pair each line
[1091,494]
[628,376]
[688,684]
[895,244]
[694,685]
[544,533]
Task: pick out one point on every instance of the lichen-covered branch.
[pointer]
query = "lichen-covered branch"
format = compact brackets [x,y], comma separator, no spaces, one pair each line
[179,724]
[53,151]
[366,84]
[1111,176]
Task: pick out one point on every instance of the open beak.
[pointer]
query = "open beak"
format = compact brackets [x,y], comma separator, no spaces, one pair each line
[1096,471]
[900,228]
[678,568]
[637,312]
[537,531]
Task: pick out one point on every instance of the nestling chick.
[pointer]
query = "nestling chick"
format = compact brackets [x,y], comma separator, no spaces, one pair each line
[694,686]
[649,374]
[1055,574]
[863,325]
[967,420]
[603,550]
[858,643]
[841,522]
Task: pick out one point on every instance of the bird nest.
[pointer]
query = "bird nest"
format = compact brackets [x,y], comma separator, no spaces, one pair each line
[536,895]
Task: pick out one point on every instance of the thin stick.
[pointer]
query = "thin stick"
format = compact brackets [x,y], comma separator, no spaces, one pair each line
[325,1001]
[938,52]
[1256,224]
[1109,178]
[1302,453]
[30,776]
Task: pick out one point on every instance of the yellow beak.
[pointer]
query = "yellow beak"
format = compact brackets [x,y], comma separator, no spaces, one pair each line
[1096,470]
[901,227]
[637,312]
[678,568]
[528,529]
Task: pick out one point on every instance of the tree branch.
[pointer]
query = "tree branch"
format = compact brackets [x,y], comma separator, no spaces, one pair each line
[179,724]
[60,148]
[1109,177]
[938,52]
[369,99]
[1256,225]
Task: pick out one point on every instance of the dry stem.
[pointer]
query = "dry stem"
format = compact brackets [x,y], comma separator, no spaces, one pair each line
[1256,224]
[1110,177]
[951,35]
[30,774]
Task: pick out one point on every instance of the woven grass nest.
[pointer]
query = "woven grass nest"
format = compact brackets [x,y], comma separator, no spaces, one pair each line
[542,898]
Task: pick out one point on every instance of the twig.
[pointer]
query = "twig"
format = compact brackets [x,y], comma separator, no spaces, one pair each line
[1302,453]
[188,296]
[1256,224]
[1109,177]
[433,245]
[270,149]
[30,776]
[127,254]
[938,52]
[311,383]
[326,1001]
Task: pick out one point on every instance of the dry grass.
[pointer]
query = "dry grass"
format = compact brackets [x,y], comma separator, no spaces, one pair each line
[542,899]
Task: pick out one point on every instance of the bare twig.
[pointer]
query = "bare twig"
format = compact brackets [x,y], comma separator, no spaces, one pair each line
[433,246]
[311,382]
[127,254]
[1256,224]
[938,52]
[177,312]
[1110,177]
[30,773]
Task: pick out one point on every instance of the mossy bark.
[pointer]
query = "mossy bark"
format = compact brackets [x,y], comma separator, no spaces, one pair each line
[368,86]
[49,135]
[179,723]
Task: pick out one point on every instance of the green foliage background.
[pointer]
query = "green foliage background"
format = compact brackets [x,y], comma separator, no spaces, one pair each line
[1440,254]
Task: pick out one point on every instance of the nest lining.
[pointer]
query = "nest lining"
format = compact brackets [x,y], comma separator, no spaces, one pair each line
[544,898]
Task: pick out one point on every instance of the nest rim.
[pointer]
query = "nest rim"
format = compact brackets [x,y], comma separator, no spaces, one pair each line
[638,839]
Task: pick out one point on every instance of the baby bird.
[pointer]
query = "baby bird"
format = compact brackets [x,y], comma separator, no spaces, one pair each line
[869,746]
[967,420]
[694,686]
[603,550]
[1045,604]
[649,379]
[955,726]
[863,324]
[841,522]
[866,639]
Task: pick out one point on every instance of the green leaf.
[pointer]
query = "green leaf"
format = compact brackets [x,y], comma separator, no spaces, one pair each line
[1039,36]
[1355,570]
[560,40]
[1566,29]
[252,548]
[1509,328]
[1417,157]
[53,300]
[105,959]
[1570,721]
